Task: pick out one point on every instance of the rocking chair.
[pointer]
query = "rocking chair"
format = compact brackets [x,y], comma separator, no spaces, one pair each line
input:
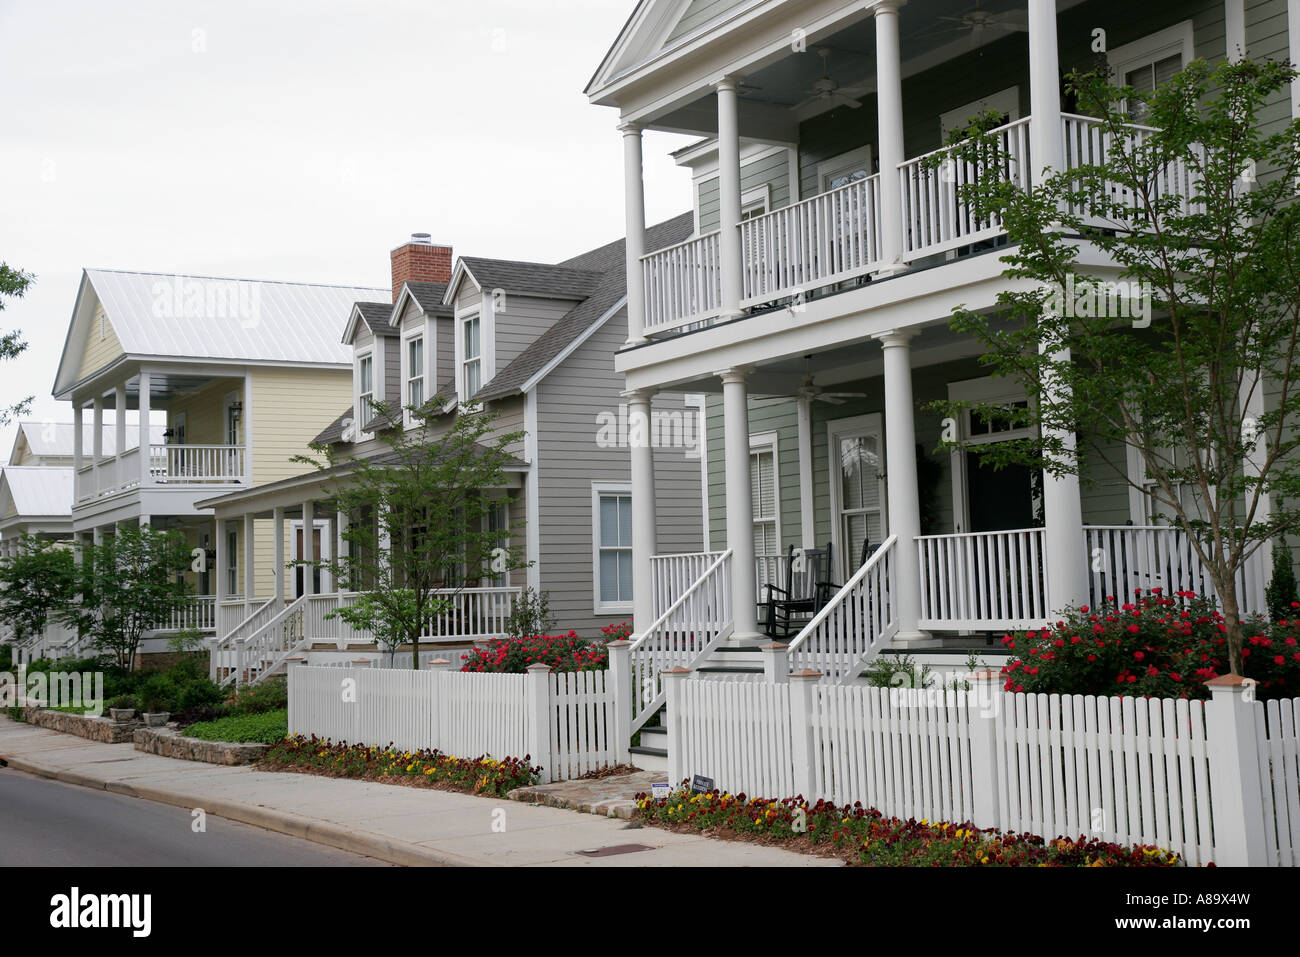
[788,609]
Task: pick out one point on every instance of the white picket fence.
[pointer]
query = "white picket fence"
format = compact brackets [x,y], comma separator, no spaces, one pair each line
[562,722]
[1212,781]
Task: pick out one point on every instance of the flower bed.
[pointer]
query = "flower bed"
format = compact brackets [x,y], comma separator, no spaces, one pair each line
[561,652]
[864,836]
[1154,646]
[424,768]
[266,728]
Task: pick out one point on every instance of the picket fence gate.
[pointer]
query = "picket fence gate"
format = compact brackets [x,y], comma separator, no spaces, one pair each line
[563,722]
[1213,781]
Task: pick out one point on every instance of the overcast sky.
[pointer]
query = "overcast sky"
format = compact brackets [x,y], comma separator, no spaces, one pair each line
[298,141]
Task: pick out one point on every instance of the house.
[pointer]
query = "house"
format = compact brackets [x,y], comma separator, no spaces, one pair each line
[811,303]
[533,343]
[243,372]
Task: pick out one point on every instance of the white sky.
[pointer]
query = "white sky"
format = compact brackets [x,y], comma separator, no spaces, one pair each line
[274,139]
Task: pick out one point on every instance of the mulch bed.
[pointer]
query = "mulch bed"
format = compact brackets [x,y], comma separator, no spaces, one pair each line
[608,771]
[404,780]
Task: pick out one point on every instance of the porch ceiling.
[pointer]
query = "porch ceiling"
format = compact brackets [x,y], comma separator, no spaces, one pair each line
[164,387]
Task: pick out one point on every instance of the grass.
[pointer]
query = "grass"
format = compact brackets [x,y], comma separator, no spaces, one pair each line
[266,728]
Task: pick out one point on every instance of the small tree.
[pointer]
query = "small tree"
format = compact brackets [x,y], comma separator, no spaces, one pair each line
[1217,277]
[36,584]
[13,284]
[130,583]
[419,529]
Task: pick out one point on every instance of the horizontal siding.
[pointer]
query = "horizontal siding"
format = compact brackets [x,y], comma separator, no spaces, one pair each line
[520,320]
[290,408]
[771,171]
[96,352]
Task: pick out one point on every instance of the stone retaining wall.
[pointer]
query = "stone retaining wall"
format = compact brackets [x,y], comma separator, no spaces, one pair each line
[169,744]
[102,729]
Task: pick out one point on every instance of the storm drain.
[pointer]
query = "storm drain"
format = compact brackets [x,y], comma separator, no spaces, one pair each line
[614,849]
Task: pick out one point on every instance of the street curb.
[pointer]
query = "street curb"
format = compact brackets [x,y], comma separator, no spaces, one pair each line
[282,822]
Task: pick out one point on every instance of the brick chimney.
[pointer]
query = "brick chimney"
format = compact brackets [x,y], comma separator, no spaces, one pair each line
[420,260]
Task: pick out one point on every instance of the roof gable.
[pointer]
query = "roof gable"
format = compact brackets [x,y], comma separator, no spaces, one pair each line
[373,316]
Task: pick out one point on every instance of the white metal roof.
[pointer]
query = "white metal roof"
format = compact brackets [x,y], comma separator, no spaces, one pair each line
[38,491]
[55,438]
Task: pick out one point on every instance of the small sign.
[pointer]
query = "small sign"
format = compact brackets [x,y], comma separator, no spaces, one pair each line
[661,790]
[700,784]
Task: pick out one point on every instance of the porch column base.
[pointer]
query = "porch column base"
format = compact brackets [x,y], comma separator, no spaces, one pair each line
[913,635]
[889,270]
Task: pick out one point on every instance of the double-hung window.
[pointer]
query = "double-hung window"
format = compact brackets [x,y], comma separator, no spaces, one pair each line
[1148,63]
[415,371]
[365,391]
[471,356]
[762,478]
[613,521]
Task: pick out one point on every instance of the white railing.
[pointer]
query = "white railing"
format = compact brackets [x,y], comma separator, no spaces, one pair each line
[682,283]
[202,464]
[855,624]
[935,220]
[563,722]
[199,614]
[686,633]
[1089,143]
[822,240]
[253,659]
[238,617]
[769,570]
[1124,559]
[670,575]
[983,580]
[474,613]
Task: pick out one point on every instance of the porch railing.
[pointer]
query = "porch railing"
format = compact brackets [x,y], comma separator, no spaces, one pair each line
[978,580]
[822,240]
[215,464]
[682,283]
[474,613]
[855,624]
[672,574]
[934,218]
[1124,559]
[686,633]
[199,613]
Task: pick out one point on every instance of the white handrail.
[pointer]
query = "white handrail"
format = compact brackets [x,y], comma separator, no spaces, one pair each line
[981,580]
[262,652]
[853,626]
[683,283]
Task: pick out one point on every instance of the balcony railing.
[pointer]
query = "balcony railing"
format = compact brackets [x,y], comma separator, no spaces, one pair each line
[202,464]
[682,283]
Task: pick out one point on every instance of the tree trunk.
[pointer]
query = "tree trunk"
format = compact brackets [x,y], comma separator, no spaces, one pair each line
[1231,621]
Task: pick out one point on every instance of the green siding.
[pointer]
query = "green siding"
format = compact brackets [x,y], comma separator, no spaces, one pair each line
[772,171]
[699,13]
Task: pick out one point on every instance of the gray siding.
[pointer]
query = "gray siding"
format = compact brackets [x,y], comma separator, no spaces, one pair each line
[522,320]
[771,171]
[699,13]
[569,402]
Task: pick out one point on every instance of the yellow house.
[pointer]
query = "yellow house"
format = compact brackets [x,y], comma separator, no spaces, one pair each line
[242,374]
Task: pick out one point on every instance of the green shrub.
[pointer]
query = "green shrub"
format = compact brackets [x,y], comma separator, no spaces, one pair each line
[530,615]
[1281,590]
[271,695]
[266,728]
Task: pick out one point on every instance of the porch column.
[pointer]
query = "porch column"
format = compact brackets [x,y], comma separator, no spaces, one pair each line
[889,118]
[308,551]
[219,530]
[250,551]
[78,450]
[900,478]
[1046,141]
[807,523]
[1065,548]
[327,578]
[1234,29]
[644,534]
[340,544]
[97,436]
[740,505]
[634,214]
[146,476]
[119,420]
[729,252]
[277,522]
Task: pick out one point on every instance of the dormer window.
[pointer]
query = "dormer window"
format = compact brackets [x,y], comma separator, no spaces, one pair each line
[415,371]
[365,390]
[471,360]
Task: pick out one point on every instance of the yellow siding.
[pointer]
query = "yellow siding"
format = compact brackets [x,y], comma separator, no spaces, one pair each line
[291,408]
[204,412]
[24,453]
[99,352]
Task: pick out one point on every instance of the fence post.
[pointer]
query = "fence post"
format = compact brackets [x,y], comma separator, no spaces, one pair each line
[1236,796]
[620,679]
[982,703]
[438,666]
[673,679]
[537,728]
[803,688]
[776,664]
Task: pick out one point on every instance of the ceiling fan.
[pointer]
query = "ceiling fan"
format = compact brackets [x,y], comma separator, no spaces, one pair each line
[827,90]
[815,393]
[981,23]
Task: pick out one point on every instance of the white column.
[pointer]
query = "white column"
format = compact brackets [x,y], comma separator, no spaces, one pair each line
[729,252]
[807,523]
[219,532]
[1064,545]
[900,479]
[78,451]
[146,477]
[340,543]
[644,522]
[1234,29]
[308,553]
[1046,140]
[250,553]
[634,214]
[246,425]
[740,506]
[889,99]
[97,436]
[277,521]
[119,422]
[327,582]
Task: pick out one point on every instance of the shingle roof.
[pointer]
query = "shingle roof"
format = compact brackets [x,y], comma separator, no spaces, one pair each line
[606,261]
[333,433]
[376,315]
[534,279]
[429,295]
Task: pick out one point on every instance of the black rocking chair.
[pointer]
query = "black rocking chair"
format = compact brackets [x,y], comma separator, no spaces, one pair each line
[831,588]
[788,609]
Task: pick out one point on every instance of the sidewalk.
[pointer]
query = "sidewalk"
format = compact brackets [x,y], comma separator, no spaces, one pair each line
[401,825]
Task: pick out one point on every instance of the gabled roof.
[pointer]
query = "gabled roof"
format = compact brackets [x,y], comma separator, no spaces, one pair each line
[373,315]
[525,278]
[37,491]
[605,299]
[429,296]
[210,318]
[333,433]
[56,438]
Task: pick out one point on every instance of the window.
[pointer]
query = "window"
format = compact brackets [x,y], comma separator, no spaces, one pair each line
[755,202]
[232,563]
[471,360]
[613,520]
[1147,63]
[844,169]
[1006,103]
[415,371]
[365,391]
[861,514]
[762,480]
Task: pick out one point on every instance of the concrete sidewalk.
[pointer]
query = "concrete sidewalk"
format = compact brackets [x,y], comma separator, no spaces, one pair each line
[402,825]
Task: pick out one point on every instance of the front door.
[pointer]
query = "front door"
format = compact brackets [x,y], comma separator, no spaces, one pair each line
[986,499]
[857,489]
[297,556]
